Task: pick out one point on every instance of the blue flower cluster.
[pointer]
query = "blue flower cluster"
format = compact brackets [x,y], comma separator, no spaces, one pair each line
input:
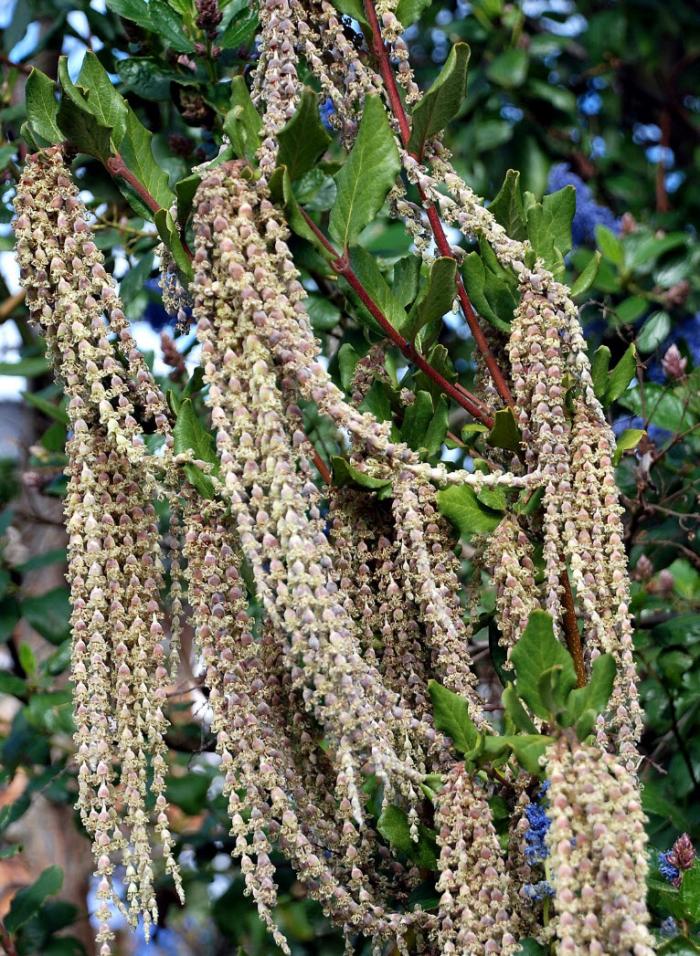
[589,213]
[536,892]
[669,927]
[667,869]
[327,109]
[536,850]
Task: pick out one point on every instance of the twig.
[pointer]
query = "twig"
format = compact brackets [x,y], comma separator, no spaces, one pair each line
[342,266]
[571,632]
[116,166]
[11,303]
[397,108]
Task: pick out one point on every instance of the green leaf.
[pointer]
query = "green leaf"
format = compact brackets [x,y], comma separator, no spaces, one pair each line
[189,792]
[242,122]
[394,826]
[303,139]
[475,279]
[690,893]
[78,123]
[600,363]
[515,711]
[549,226]
[505,432]
[406,279]
[57,412]
[347,362]
[281,191]
[609,245]
[437,429]
[508,207]
[13,811]
[434,300]
[365,267]
[49,614]
[461,506]
[367,175]
[596,694]
[352,8]
[630,309]
[185,190]
[587,277]
[628,440]
[442,101]
[346,474]
[621,375]
[530,947]
[408,11]
[535,652]
[324,315]
[654,331]
[528,749]
[170,234]
[42,107]
[28,900]
[451,715]
[157,17]
[509,69]
[136,151]
[190,433]
[240,32]
[28,367]
[9,684]
[102,97]
[416,420]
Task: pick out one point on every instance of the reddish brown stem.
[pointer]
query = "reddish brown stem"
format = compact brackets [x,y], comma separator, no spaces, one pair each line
[468,402]
[571,631]
[116,166]
[397,108]
[323,469]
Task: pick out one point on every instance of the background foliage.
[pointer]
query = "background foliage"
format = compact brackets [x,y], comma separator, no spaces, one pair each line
[598,95]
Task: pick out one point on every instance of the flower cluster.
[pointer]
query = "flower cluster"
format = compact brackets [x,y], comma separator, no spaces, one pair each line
[597,844]
[674,862]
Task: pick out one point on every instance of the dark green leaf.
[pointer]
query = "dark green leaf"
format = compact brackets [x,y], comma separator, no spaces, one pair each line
[530,947]
[654,331]
[303,139]
[346,474]
[106,104]
[281,191]
[367,175]
[157,17]
[434,299]
[13,811]
[609,245]
[190,433]
[600,363]
[240,32]
[406,279]
[587,277]
[461,506]
[185,191]
[28,900]
[57,412]
[628,440]
[394,826]
[549,226]
[416,420]
[451,715]
[170,234]
[189,792]
[620,377]
[509,69]
[508,207]
[49,614]
[324,314]
[690,893]
[505,432]
[28,367]
[475,278]
[365,267]
[78,123]
[136,151]
[437,429]
[528,750]
[408,11]
[535,652]
[516,712]
[42,107]
[442,101]
[242,122]
[9,684]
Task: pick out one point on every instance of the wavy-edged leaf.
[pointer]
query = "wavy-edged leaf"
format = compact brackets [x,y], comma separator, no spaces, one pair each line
[443,100]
